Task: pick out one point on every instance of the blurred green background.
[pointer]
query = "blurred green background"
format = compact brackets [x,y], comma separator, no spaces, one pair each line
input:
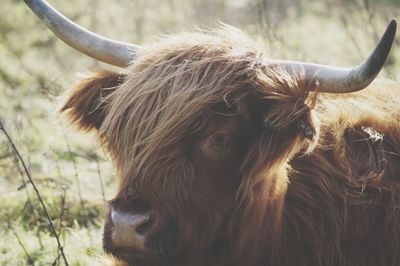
[73,175]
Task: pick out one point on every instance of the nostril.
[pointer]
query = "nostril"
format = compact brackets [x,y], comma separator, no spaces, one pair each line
[128,220]
[145,226]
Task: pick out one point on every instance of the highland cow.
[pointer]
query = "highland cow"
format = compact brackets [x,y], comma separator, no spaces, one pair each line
[228,158]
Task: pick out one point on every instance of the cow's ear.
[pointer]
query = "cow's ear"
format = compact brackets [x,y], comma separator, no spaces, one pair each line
[86,103]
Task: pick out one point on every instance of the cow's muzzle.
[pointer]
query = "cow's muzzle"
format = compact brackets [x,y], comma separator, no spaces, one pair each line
[130,230]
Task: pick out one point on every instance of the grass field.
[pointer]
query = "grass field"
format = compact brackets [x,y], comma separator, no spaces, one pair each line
[73,175]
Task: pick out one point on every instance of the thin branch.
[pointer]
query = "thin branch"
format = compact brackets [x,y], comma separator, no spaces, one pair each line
[100,178]
[74,164]
[345,23]
[23,186]
[53,230]
[30,261]
[63,199]
[57,260]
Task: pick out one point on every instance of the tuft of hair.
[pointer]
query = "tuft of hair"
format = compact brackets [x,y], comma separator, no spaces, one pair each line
[174,83]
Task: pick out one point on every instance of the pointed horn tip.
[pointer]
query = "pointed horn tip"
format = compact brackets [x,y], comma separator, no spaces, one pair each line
[393,22]
[391,29]
[390,32]
[393,25]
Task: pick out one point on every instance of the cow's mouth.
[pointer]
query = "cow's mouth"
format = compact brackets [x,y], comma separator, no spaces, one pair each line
[157,251]
[129,255]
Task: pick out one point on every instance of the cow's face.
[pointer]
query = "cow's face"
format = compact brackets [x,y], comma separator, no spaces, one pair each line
[187,213]
[191,154]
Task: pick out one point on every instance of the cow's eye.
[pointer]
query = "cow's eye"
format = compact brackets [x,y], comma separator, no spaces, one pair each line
[221,141]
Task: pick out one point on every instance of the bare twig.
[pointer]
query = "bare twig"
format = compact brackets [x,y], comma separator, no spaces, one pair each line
[370,18]
[63,202]
[30,261]
[344,19]
[53,230]
[73,160]
[28,198]
[100,178]
[56,261]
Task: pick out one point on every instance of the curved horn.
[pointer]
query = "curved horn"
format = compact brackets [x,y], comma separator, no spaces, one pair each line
[341,80]
[100,48]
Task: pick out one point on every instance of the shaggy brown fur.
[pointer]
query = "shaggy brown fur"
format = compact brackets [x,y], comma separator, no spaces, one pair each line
[212,140]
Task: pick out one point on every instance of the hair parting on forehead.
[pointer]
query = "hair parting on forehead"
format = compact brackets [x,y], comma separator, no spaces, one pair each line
[172,84]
